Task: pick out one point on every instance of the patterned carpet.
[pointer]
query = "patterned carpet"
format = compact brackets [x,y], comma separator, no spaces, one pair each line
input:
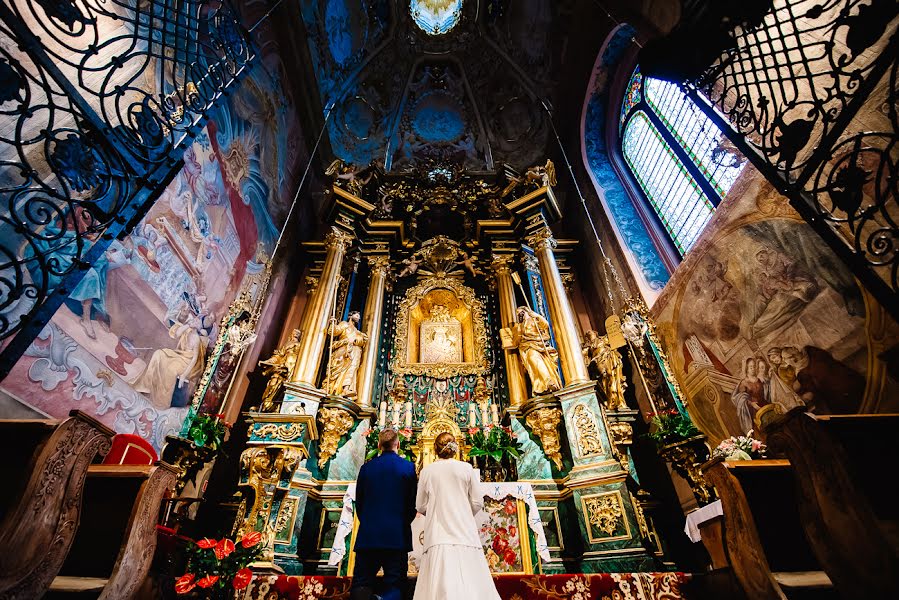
[604,586]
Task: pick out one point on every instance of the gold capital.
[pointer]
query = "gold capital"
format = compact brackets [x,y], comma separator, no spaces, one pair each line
[338,237]
[542,238]
[335,423]
[501,263]
[379,263]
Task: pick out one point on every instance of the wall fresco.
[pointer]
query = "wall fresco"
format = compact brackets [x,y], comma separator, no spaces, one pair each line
[130,342]
[761,312]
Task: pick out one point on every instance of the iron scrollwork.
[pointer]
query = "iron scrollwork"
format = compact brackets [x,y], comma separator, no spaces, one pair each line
[800,93]
[98,101]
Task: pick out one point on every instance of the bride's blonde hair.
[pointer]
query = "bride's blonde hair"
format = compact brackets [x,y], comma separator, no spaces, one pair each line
[445,445]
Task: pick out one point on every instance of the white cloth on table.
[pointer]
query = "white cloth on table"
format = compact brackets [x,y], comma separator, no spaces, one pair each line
[699,516]
[453,564]
[519,490]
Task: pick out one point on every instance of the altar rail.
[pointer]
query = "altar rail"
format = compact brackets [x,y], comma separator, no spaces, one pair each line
[809,95]
[98,102]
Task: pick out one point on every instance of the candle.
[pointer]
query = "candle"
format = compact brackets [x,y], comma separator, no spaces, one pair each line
[395,417]
[472,415]
[382,416]
[494,412]
[408,414]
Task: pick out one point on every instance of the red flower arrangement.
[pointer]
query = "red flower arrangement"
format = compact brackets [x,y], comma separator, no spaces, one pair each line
[218,567]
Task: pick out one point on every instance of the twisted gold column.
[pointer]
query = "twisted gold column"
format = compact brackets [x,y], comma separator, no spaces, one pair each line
[560,311]
[318,309]
[507,306]
[371,326]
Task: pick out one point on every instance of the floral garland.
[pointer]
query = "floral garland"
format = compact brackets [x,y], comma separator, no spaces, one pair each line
[218,567]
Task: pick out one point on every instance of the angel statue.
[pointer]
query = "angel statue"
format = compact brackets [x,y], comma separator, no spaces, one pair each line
[599,352]
[349,176]
[278,369]
[544,176]
[530,335]
[346,356]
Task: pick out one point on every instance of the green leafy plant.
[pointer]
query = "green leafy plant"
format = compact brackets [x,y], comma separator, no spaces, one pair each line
[670,426]
[493,441]
[208,430]
[216,568]
[407,443]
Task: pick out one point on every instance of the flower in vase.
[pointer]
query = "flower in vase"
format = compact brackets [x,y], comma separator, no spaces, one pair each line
[206,543]
[251,539]
[224,548]
[242,578]
[208,581]
[185,583]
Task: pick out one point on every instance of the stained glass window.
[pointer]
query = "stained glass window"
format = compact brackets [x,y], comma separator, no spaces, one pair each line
[435,17]
[681,161]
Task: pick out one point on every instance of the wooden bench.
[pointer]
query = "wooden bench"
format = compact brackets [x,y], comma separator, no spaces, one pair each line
[843,468]
[44,466]
[114,546]
[764,542]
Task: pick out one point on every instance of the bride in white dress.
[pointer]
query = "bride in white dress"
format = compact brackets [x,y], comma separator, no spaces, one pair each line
[453,566]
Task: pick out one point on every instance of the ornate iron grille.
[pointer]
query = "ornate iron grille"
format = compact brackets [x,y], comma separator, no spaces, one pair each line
[810,97]
[98,101]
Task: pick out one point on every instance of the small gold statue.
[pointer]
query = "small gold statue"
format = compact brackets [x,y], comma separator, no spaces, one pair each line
[530,335]
[278,369]
[346,356]
[609,364]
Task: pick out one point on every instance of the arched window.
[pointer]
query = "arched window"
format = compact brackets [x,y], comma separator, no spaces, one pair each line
[680,160]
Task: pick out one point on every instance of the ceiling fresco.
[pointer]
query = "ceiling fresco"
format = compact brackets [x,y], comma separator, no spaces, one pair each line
[462,83]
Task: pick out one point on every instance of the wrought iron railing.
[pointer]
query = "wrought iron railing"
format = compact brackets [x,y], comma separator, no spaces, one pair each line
[810,96]
[98,101]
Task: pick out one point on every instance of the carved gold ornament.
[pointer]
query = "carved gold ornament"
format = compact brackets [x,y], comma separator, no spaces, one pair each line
[542,238]
[283,432]
[604,512]
[335,423]
[464,307]
[586,431]
[544,422]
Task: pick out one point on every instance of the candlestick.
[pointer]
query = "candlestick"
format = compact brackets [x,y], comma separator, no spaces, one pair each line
[382,415]
[408,414]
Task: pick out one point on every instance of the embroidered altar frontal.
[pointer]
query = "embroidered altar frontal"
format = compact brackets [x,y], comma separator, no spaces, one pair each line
[601,586]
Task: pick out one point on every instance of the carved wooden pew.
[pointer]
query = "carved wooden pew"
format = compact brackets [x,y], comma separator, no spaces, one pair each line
[44,468]
[114,546]
[842,468]
[764,542]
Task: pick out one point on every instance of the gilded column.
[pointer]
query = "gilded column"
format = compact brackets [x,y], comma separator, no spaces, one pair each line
[371,326]
[318,309]
[560,310]
[507,306]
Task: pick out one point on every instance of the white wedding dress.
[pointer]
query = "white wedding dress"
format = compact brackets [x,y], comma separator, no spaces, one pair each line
[452,565]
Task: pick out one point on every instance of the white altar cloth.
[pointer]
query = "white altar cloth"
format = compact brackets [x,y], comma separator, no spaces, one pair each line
[497,491]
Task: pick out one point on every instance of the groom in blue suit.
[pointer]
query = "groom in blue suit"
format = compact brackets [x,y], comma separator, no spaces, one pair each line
[385,506]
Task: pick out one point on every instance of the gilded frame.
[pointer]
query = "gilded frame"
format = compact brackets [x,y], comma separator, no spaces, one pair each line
[477,365]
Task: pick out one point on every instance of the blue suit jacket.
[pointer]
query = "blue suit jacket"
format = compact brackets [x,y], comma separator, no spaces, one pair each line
[385,503]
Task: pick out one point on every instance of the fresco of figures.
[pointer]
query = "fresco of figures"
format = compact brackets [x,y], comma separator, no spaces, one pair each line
[130,343]
[762,313]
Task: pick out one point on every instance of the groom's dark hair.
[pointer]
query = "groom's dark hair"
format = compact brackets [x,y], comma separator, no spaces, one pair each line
[386,439]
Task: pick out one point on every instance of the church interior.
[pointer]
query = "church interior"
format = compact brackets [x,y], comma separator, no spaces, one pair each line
[640,258]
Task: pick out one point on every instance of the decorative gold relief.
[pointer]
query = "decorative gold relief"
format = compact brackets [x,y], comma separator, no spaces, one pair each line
[338,238]
[335,423]
[544,422]
[586,431]
[444,309]
[604,517]
[379,263]
[282,432]
[622,434]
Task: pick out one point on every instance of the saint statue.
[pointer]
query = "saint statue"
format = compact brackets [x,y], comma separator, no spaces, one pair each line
[346,356]
[599,352]
[530,335]
[278,369]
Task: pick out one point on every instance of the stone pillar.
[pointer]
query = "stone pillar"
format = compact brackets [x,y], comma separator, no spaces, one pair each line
[568,342]
[371,326]
[507,305]
[318,310]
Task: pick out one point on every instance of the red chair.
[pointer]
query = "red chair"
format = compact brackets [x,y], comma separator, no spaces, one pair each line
[130,449]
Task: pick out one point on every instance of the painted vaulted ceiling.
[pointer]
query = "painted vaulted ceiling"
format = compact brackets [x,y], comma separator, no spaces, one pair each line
[459,82]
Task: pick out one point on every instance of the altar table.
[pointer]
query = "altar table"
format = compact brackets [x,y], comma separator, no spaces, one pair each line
[497,552]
